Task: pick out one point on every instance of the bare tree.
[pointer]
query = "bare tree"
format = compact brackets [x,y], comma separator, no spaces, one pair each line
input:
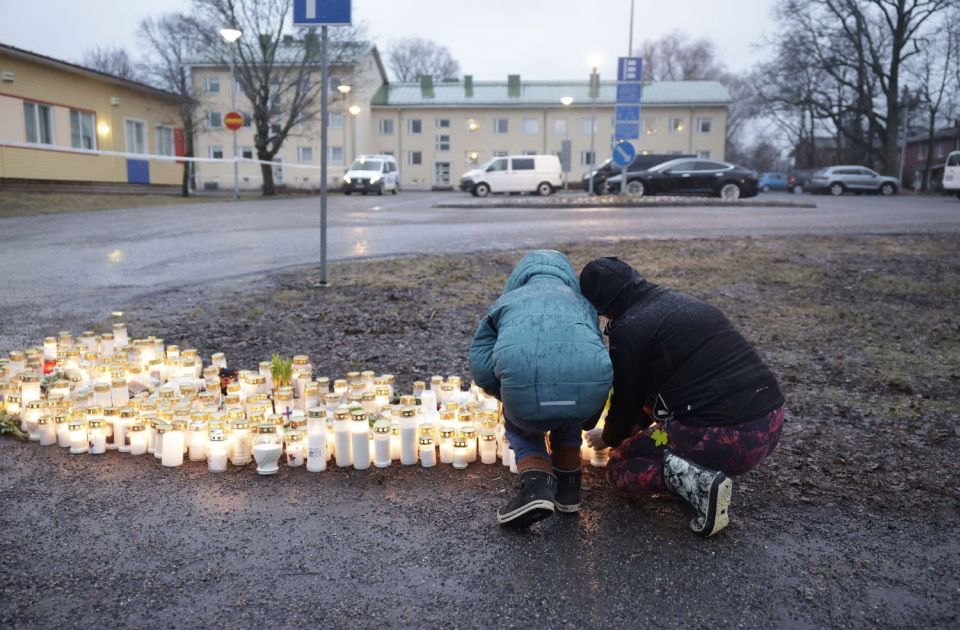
[278,72]
[115,61]
[413,57]
[167,66]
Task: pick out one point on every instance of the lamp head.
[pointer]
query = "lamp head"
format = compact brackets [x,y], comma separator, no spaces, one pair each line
[566,100]
[230,35]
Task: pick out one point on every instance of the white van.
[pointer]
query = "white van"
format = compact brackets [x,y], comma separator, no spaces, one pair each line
[539,174]
[372,173]
[951,174]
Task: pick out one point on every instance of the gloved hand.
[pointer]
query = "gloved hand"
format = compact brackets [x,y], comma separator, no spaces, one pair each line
[595,439]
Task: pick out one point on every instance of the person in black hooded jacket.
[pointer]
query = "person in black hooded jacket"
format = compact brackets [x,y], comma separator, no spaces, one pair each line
[692,401]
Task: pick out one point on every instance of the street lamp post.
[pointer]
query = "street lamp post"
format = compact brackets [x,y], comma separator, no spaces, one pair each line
[354,112]
[231,35]
[344,91]
[566,101]
[594,61]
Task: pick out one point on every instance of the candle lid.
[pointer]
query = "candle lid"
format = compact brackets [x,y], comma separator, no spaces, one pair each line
[179,425]
[293,436]
[75,425]
[93,411]
[317,412]
[62,418]
[240,423]
[217,436]
[383,390]
[368,396]
[352,376]
[36,404]
[408,412]
[301,359]
[44,420]
[381,426]
[408,400]
[460,443]
[128,412]
[29,377]
[273,418]
[266,428]
[311,389]
[468,432]
[136,426]
[426,440]
[358,415]
[447,434]
[95,424]
[340,383]
[488,436]
[436,379]
[419,384]
[16,355]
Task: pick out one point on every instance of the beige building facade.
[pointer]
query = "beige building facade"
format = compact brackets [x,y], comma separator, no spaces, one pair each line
[56,118]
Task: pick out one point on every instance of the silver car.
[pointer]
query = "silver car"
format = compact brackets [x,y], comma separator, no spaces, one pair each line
[839,179]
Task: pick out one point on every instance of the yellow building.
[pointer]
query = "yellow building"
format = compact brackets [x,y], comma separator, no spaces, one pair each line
[60,121]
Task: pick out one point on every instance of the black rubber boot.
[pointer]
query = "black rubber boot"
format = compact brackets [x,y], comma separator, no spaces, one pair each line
[708,491]
[567,498]
[533,503]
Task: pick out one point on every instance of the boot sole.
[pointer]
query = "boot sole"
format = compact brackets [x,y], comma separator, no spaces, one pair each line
[527,515]
[718,516]
[567,509]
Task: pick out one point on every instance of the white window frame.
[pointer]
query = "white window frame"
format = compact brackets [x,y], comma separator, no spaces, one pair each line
[126,135]
[160,141]
[443,123]
[410,125]
[335,120]
[411,161]
[208,82]
[36,122]
[585,125]
[244,151]
[703,155]
[531,126]
[584,155]
[500,153]
[649,126]
[559,126]
[209,121]
[334,157]
[441,144]
[212,150]
[382,126]
[709,124]
[672,127]
[81,114]
[529,152]
[302,152]
[938,152]
[497,125]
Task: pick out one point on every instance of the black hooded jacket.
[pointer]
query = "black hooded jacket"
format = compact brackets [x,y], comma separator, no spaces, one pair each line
[672,345]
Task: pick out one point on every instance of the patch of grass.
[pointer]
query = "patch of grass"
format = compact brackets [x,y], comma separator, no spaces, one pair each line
[15,203]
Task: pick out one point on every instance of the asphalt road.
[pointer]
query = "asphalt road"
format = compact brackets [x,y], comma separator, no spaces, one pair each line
[74,269]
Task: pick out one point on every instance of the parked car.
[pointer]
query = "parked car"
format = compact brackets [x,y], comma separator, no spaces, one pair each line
[372,173]
[690,177]
[951,174]
[541,174]
[773,181]
[608,169]
[837,180]
[797,181]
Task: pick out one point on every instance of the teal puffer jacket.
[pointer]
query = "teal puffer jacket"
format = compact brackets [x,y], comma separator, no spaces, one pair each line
[539,348]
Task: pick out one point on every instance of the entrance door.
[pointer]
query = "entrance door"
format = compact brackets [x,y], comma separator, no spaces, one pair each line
[441,174]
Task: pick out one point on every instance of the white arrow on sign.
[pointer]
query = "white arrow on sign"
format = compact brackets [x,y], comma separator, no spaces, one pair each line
[311,9]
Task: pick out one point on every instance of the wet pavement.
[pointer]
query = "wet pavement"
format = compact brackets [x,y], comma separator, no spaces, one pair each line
[77,268]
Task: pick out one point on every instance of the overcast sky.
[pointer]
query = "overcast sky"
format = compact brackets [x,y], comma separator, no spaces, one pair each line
[539,39]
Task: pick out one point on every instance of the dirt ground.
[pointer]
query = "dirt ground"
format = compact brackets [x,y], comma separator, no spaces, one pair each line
[851,523]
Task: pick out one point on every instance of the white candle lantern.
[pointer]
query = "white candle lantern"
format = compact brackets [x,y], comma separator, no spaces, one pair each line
[296,448]
[28,420]
[317,439]
[62,388]
[101,395]
[600,458]
[120,336]
[267,448]
[107,345]
[469,435]
[13,404]
[217,451]
[62,422]
[446,446]
[173,444]
[368,400]
[428,453]
[381,397]
[323,384]
[488,447]
[394,439]
[29,388]
[445,393]
[310,397]
[197,440]
[78,437]
[418,388]
[137,436]
[119,394]
[360,439]
[265,380]
[241,442]
[46,430]
[50,349]
[121,429]
[512,457]
[459,453]
[381,443]
[341,437]
[97,436]
[218,360]
[408,436]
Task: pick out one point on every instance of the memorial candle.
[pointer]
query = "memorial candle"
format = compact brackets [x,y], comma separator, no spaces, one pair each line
[446,446]
[120,335]
[197,440]
[137,436]
[459,453]
[50,348]
[241,442]
[267,448]
[381,443]
[106,346]
[428,454]
[296,448]
[310,397]
[418,388]
[317,439]
[78,437]
[119,394]
[368,400]
[600,458]
[488,447]
[217,451]
[341,437]
[408,436]
[174,443]
[46,430]
[394,439]
[469,435]
[29,388]
[126,418]
[360,439]
[62,421]
[381,397]
[12,404]
[97,436]
[101,395]
[28,421]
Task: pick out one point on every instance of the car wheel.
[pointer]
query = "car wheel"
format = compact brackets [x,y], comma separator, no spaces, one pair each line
[347,192]
[544,189]
[730,192]
[797,189]
[837,189]
[481,190]
[766,189]
[888,189]
[380,190]
[635,188]
[396,189]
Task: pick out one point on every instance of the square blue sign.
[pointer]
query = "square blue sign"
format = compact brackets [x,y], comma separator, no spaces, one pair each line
[321,12]
[629,92]
[630,69]
[626,131]
[628,113]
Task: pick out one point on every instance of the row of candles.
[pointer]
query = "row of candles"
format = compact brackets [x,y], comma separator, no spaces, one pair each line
[108,392]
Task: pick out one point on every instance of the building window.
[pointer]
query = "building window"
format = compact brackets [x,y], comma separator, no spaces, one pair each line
[471,158]
[165,140]
[305,155]
[531,126]
[414,158]
[501,125]
[39,123]
[676,126]
[214,120]
[588,125]
[704,155]
[587,158]
[335,120]
[247,119]
[246,153]
[649,126]
[215,152]
[81,130]
[560,126]
[414,126]
[274,128]
[704,125]
[529,152]
[443,142]
[135,133]
[443,123]
[674,152]
[211,85]
[500,154]
[336,155]
[386,126]
[387,152]
[922,152]
[939,152]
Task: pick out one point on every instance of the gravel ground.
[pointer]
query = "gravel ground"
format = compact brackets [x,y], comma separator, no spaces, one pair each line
[849,524]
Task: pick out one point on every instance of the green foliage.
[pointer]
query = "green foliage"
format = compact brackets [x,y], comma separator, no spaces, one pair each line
[281,370]
[659,437]
[10,425]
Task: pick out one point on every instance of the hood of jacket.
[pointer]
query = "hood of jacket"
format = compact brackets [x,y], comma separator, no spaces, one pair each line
[539,264]
[613,286]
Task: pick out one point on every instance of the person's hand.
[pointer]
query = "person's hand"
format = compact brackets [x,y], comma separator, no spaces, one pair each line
[595,439]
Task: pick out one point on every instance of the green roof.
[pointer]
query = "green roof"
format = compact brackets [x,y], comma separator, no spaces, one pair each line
[545,94]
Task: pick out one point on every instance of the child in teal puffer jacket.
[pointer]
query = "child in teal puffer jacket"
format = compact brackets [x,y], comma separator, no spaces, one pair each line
[539,351]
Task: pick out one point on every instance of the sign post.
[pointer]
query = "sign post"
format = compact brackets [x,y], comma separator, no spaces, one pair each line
[623,155]
[233,121]
[322,13]
[626,124]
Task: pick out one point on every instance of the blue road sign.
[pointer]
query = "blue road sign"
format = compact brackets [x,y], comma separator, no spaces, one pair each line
[626,130]
[623,154]
[321,12]
[630,69]
[628,113]
[629,92]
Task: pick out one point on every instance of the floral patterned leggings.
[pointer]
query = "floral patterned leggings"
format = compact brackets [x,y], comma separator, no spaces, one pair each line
[637,464]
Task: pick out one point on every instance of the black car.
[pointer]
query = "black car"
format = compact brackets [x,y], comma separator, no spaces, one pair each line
[608,169]
[797,181]
[690,177]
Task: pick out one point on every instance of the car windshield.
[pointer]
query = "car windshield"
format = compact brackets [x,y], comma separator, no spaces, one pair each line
[665,165]
[366,165]
[954,159]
